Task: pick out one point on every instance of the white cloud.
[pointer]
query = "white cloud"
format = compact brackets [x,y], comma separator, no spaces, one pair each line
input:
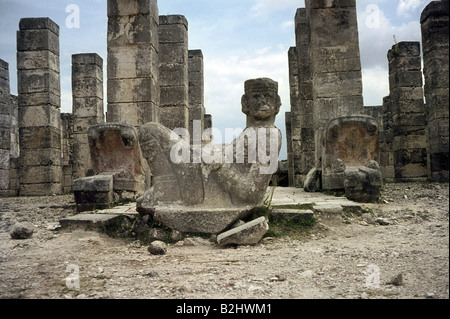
[262,8]
[406,7]
[376,35]
[375,84]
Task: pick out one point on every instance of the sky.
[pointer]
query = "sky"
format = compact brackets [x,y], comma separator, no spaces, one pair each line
[240,40]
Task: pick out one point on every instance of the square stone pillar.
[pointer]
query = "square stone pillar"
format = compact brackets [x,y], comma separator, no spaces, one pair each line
[5,129]
[408,110]
[40,168]
[435,40]
[87,91]
[174,77]
[133,63]
[303,113]
[196,92]
[336,66]
[290,161]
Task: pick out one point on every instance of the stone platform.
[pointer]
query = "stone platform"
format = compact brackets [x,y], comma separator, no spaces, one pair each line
[290,201]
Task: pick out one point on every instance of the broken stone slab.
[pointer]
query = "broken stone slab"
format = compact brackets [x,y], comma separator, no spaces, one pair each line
[249,234]
[292,214]
[199,219]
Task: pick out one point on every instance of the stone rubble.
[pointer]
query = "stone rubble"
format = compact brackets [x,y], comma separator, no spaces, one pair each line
[248,234]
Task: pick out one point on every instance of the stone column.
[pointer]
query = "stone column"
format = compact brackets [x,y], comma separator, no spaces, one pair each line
[87,91]
[67,141]
[290,158]
[15,151]
[196,91]
[409,123]
[290,126]
[133,63]
[387,156]
[174,78]
[5,129]
[435,39]
[39,107]
[303,116]
[336,65]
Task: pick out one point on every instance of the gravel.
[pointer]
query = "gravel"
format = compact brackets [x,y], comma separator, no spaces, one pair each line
[398,249]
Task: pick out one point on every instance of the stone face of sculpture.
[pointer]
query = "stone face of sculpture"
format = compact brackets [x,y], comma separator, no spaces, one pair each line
[209,195]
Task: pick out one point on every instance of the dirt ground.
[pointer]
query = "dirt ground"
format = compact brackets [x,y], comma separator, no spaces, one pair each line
[407,235]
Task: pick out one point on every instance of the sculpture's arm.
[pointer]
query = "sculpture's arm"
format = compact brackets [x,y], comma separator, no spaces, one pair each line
[243,187]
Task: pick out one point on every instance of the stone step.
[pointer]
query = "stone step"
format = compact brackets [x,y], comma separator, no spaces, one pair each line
[291,214]
[99,218]
[96,221]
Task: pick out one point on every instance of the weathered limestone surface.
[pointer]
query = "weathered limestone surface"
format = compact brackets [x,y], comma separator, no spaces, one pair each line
[363,184]
[387,155]
[248,234]
[336,66]
[174,71]
[351,144]
[325,79]
[5,129]
[39,104]
[408,110]
[87,91]
[133,62]
[121,172]
[15,150]
[290,155]
[302,113]
[196,94]
[67,140]
[212,193]
[435,41]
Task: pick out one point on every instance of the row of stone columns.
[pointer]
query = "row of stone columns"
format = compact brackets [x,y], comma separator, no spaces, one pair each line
[325,78]
[141,88]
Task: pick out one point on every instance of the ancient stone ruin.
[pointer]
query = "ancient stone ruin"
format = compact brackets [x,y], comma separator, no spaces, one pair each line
[202,196]
[329,129]
[155,146]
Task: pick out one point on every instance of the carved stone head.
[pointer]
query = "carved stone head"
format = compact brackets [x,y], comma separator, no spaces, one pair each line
[261,102]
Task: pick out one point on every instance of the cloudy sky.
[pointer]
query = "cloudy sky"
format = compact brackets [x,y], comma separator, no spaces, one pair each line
[240,40]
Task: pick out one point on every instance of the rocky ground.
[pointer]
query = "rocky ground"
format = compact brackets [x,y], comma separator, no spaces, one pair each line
[397,249]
